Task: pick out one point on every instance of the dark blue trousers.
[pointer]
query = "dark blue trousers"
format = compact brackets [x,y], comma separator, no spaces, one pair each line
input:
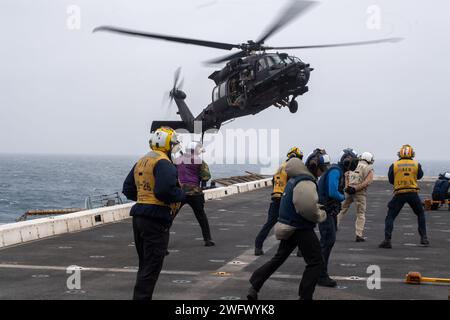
[327,239]
[307,242]
[272,218]
[396,205]
[151,238]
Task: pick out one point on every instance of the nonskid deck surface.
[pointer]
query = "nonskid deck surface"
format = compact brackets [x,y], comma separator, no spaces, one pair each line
[37,270]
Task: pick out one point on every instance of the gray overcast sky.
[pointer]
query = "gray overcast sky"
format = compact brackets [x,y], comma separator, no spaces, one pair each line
[66,91]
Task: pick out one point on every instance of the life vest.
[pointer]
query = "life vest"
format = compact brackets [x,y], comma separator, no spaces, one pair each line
[360,174]
[288,215]
[405,176]
[145,180]
[324,197]
[279,181]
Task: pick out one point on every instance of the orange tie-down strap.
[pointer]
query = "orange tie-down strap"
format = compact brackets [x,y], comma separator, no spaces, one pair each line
[416,278]
[427,203]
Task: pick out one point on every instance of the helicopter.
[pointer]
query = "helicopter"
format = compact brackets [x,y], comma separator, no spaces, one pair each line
[252,80]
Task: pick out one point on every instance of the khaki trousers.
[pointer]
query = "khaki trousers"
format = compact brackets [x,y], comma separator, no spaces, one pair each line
[361,202]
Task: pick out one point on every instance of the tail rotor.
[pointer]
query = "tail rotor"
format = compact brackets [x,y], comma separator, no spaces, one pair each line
[175,92]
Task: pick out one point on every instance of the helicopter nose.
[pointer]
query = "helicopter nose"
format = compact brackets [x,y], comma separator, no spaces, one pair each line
[303,75]
[308,67]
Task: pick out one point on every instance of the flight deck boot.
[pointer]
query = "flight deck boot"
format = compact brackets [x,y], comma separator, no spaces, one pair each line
[252,294]
[259,252]
[326,282]
[424,241]
[386,244]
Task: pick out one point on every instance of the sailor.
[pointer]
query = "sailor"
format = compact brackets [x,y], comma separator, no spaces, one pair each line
[441,190]
[403,174]
[279,183]
[356,183]
[331,194]
[194,173]
[299,213]
[153,184]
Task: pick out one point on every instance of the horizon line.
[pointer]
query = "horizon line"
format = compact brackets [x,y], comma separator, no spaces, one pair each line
[136,155]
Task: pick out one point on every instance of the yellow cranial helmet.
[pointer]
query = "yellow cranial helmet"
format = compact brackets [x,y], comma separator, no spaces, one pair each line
[406,152]
[163,139]
[295,152]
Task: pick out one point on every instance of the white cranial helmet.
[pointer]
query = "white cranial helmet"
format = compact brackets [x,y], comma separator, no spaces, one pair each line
[195,147]
[368,157]
[447,175]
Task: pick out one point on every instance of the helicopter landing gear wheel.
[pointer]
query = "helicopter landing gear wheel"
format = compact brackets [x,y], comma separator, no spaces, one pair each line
[293,106]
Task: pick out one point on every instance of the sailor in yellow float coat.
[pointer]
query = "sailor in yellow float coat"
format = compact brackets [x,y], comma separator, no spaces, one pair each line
[279,182]
[153,184]
[403,175]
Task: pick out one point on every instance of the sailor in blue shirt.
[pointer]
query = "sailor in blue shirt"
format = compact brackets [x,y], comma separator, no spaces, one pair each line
[331,194]
[441,190]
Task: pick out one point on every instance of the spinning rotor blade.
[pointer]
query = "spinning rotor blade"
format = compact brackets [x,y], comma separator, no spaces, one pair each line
[203,43]
[177,84]
[238,54]
[290,12]
[343,44]
[176,77]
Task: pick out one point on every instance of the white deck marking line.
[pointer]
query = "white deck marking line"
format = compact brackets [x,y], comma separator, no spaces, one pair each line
[247,257]
[246,276]
[340,278]
[59,268]
[202,288]
[242,276]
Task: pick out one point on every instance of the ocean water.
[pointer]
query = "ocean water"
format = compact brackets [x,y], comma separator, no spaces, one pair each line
[30,182]
[50,182]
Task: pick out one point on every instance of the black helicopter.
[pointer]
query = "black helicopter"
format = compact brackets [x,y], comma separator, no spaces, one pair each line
[251,81]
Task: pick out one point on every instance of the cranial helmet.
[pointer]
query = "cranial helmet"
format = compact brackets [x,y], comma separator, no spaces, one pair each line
[163,139]
[318,159]
[368,157]
[195,147]
[348,159]
[295,152]
[406,152]
[445,175]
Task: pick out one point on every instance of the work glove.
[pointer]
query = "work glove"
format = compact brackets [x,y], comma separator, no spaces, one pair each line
[322,216]
[350,190]
[174,209]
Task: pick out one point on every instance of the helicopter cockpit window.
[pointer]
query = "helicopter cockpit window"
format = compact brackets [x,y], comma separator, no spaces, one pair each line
[262,64]
[223,90]
[220,91]
[273,59]
[289,60]
[215,94]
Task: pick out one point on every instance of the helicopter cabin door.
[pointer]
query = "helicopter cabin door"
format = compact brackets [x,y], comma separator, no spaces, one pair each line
[261,69]
[220,94]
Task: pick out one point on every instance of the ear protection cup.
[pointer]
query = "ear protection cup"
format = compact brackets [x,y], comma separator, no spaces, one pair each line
[349,159]
[313,165]
[318,159]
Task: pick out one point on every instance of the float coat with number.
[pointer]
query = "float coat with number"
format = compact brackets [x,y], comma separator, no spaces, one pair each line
[403,174]
[153,184]
[279,181]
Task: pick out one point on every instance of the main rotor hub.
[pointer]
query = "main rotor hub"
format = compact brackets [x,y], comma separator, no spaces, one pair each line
[252,46]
